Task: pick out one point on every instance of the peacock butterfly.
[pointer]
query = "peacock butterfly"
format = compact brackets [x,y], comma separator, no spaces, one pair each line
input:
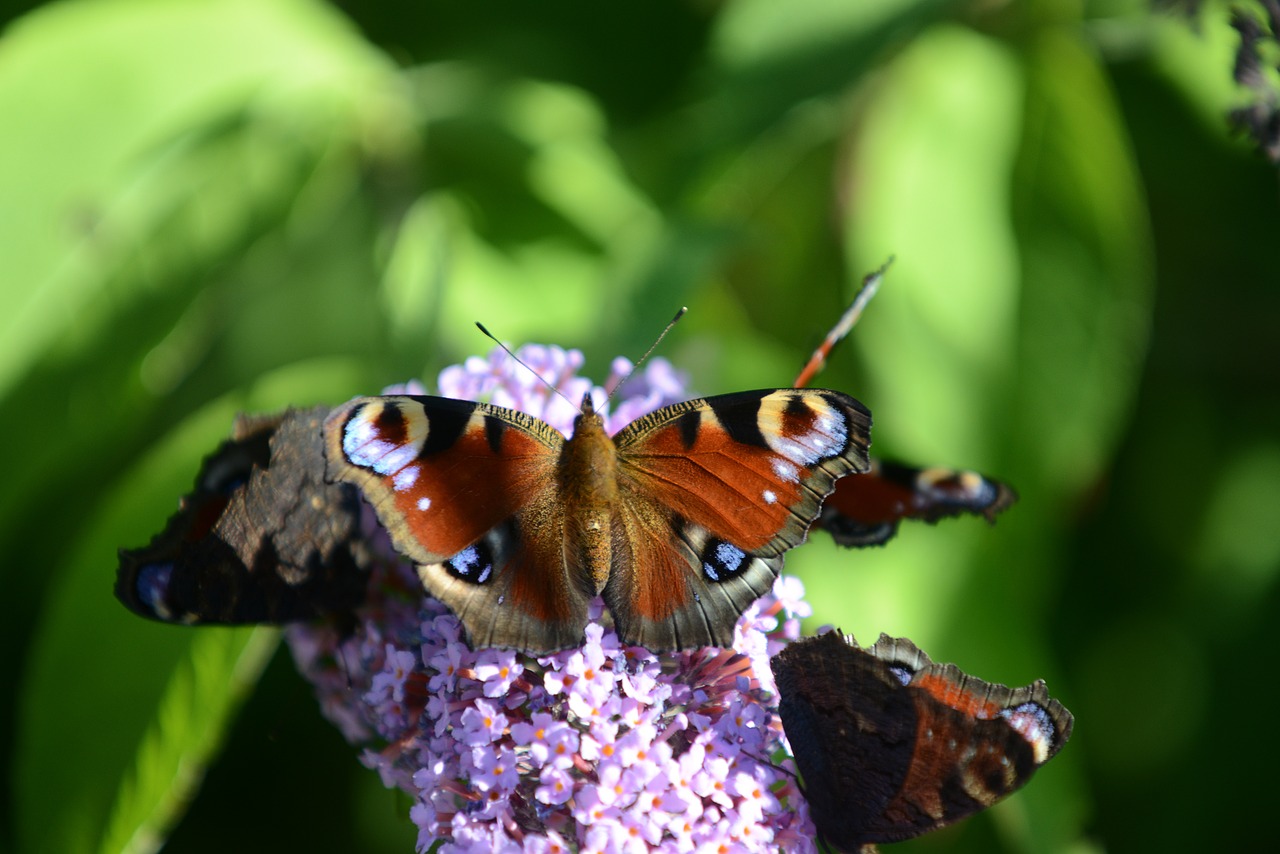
[891,745]
[680,520]
[865,510]
[261,538]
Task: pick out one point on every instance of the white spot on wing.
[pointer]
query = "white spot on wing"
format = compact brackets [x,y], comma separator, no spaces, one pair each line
[466,561]
[785,470]
[424,504]
[769,496]
[726,557]
[407,477]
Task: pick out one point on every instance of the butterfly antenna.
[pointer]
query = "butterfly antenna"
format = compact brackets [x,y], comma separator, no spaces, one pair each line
[522,364]
[647,353]
[818,360]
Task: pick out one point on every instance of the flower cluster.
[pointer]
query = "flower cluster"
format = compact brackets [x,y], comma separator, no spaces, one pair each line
[600,748]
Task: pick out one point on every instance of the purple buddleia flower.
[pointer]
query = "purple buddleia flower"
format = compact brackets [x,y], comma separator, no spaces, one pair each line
[600,748]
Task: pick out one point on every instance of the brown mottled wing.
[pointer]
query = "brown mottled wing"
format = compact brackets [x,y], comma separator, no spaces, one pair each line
[466,491]
[261,538]
[865,509]
[891,745]
[713,492]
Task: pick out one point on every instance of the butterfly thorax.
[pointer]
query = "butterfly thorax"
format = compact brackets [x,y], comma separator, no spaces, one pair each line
[587,476]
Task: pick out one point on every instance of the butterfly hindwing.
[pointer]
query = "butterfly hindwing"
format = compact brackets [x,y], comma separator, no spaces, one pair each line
[713,492]
[892,745]
[261,538]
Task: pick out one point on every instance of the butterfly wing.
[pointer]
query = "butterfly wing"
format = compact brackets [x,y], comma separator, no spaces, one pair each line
[261,538]
[892,745]
[713,493]
[865,510]
[466,491]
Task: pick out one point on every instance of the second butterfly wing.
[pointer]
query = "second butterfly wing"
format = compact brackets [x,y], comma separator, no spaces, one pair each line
[261,538]
[891,745]
[866,510]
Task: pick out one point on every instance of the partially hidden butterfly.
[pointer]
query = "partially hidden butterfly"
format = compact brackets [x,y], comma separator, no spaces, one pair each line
[865,510]
[680,520]
[891,745]
[261,538]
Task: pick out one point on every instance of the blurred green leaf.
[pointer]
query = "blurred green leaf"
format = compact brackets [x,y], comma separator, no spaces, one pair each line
[83,113]
[100,695]
[1085,248]
[191,718]
[929,184]
[771,57]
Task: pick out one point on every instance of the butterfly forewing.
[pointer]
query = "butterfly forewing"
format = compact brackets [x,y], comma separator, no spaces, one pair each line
[750,468]
[866,510]
[439,472]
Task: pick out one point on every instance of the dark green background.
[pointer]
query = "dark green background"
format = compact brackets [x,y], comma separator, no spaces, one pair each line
[213,206]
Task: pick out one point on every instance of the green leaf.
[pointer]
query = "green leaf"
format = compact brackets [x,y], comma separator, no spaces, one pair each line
[82,109]
[96,673]
[201,699]
[929,183]
[771,57]
[1086,268]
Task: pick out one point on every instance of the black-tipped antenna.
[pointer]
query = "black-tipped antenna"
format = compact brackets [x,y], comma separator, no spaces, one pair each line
[520,362]
[649,352]
[818,360]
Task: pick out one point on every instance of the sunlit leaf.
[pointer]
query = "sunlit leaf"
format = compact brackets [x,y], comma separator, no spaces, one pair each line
[191,718]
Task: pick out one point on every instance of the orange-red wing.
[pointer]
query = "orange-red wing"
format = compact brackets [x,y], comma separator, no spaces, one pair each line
[865,510]
[439,472]
[673,585]
[750,468]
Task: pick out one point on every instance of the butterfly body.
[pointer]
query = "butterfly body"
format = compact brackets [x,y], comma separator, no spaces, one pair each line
[587,486]
[679,521]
